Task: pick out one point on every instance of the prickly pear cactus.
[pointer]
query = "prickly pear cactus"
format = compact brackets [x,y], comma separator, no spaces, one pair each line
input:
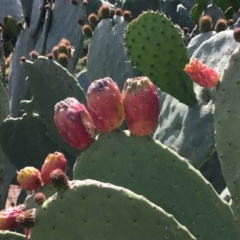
[189,131]
[7,171]
[8,235]
[47,190]
[197,41]
[106,54]
[27,136]
[69,27]
[4,104]
[149,168]
[50,83]
[153,42]
[12,8]
[227,127]
[89,206]
[216,51]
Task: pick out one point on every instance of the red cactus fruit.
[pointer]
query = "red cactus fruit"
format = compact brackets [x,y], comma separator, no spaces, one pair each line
[74,123]
[105,105]
[52,162]
[29,178]
[141,105]
[8,217]
[202,74]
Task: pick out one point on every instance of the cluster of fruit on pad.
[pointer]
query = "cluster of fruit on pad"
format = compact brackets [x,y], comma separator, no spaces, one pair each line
[106,110]
[30,178]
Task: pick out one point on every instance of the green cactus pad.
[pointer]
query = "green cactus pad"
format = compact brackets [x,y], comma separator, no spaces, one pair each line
[9,235]
[224,4]
[196,13]
[227,126]
[151,169]
[202,3]
[25,143]
[47,190]
[11,25]
[4,105]
[189,131]
[157,50]
[96,210]
[50,83]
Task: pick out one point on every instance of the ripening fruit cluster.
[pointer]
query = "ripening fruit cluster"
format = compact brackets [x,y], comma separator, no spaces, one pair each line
[107,107]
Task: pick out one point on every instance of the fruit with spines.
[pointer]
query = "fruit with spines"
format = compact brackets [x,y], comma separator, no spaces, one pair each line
[127,15]
[87,31]
[141,105]
[118,12]
[29,178]
[104,12]
[53,161]
[221,25]
[205,23]
[105,104]
[27,218]
[74,123]
[93,20]
[59,179]
[202,74]
[236,34]
[39,198]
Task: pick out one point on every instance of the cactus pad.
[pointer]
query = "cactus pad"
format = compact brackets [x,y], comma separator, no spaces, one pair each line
[96,210]
[149,168]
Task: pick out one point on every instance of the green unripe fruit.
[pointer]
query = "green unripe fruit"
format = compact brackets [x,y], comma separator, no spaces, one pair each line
[59,180]
[205,24]
[221,25]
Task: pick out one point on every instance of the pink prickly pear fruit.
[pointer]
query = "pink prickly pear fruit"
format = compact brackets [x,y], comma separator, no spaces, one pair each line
[202,74]
[53,161]
[74,123]
[105,104]
[8,217]
[29,178]
[141,105]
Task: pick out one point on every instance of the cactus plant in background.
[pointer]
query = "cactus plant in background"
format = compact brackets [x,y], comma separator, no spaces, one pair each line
[106,55]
